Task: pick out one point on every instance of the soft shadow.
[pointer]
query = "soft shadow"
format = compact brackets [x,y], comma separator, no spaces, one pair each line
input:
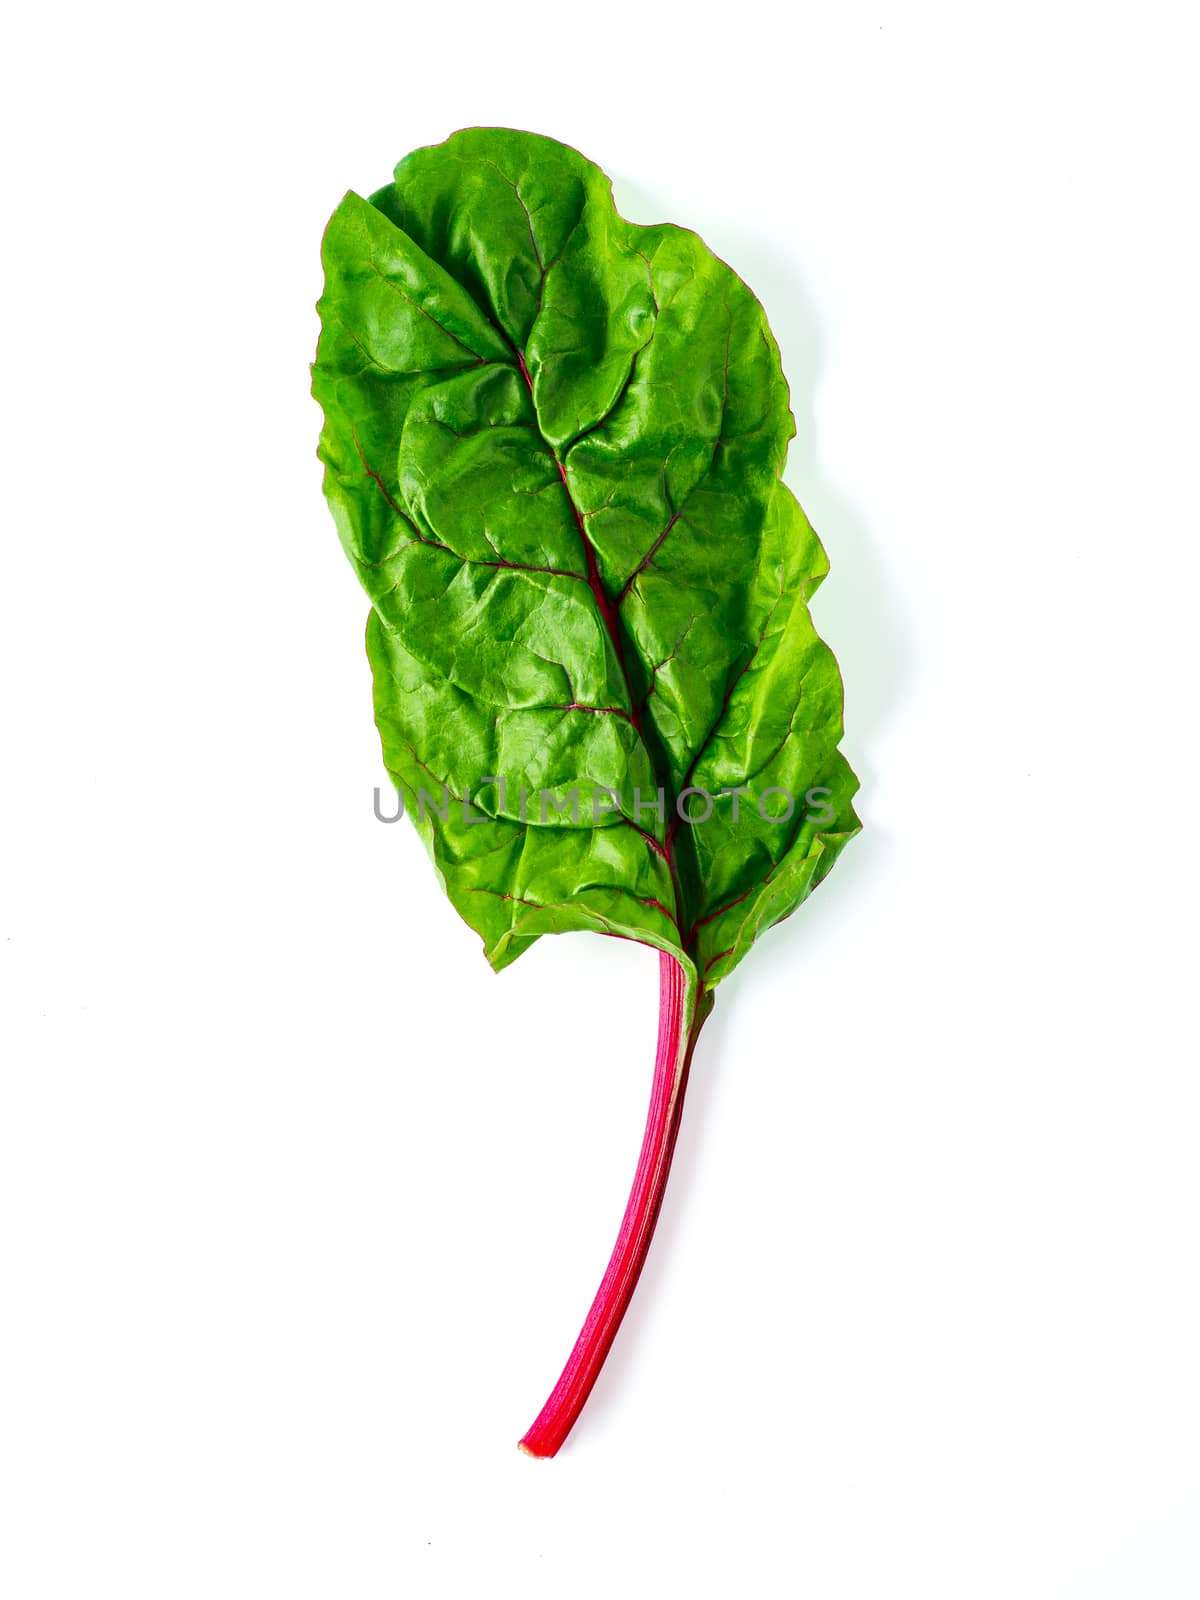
[857,612]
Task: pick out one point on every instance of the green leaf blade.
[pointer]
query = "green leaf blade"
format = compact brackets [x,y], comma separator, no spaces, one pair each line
[553,449]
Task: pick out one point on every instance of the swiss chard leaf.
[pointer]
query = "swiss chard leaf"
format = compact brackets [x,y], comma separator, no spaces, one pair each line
[553,444]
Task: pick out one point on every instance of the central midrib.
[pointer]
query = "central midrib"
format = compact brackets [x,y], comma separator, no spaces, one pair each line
[608,612]
[604,602]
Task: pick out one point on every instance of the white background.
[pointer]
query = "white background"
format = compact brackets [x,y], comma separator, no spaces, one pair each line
[301,1206]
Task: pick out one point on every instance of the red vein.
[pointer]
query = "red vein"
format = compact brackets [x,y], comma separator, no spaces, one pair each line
[648,557]
[416,305]
[659,665]
[712,960]
[381,486]
[433,544]
[608,613]
[602,711]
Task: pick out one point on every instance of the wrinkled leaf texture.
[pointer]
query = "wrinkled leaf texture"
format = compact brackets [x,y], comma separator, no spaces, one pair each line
[553,443]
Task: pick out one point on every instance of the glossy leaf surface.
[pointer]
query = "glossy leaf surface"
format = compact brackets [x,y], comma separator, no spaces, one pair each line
[553,443]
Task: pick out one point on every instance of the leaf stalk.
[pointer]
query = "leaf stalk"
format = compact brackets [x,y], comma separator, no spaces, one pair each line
[680,1018]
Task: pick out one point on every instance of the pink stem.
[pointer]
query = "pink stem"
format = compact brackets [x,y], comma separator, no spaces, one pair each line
[560,1413]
